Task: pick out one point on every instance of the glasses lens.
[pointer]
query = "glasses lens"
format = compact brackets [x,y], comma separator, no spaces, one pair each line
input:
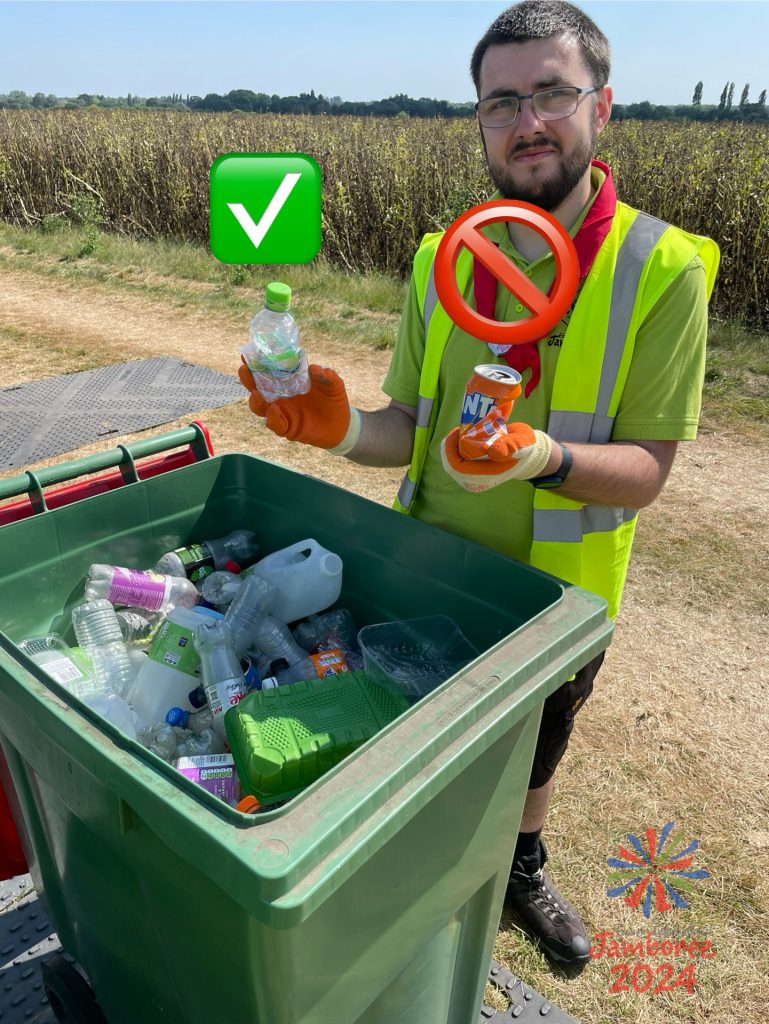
[497,112]
[555,103]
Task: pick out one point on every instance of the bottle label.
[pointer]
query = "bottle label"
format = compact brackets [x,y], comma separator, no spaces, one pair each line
[132,587]
[223,696]
[329,663]
[173,646]
[61,668]
[198,561]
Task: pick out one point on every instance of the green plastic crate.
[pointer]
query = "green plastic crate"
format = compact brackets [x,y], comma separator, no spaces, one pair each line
[372,897]
[286,738]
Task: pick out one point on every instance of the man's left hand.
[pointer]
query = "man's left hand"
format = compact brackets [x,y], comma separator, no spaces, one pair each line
[517,453]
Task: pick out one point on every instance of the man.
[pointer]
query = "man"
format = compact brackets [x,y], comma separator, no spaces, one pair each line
[619,380]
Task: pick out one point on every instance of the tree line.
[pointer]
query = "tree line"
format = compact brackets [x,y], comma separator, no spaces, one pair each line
[400,105]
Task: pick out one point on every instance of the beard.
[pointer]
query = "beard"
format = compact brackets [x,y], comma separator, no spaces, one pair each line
[546,192]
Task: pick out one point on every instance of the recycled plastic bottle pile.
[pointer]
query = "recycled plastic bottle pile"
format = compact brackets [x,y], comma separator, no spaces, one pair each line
[196,659]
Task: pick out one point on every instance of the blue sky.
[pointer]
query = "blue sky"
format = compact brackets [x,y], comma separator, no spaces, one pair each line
[357,50]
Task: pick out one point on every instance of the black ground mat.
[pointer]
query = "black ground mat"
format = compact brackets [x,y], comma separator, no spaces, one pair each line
[56,415]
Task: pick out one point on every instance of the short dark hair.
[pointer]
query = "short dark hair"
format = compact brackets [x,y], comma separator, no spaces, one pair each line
[541,19]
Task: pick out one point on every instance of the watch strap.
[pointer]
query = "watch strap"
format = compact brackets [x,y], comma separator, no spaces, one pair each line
[556,479]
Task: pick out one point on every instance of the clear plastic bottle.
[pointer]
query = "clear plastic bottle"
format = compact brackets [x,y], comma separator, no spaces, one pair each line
[312,666]
[220,588]
[195,721]
[247,610]
[206,743]
[223,678]
[334,629]
[149,590]
[162,739]
[273,638]
[196,561]
[273,355]
[98,633]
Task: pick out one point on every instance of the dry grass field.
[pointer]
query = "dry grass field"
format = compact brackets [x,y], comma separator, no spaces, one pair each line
[385,181]
[676,727]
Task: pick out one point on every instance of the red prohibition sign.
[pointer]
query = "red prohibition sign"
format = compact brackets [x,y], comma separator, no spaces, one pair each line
[547,310]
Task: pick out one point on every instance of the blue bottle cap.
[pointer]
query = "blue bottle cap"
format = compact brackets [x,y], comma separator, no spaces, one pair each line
[177,716]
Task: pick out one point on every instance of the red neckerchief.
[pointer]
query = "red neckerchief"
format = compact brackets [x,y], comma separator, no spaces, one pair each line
[587,242]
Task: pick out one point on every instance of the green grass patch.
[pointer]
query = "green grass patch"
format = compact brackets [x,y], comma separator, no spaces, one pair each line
[361,308]
[736,389]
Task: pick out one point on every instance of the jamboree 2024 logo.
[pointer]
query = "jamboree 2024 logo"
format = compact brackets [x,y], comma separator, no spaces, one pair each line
[654,874]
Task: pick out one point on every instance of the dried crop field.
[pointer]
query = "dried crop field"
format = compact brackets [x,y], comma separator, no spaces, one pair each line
[386,181]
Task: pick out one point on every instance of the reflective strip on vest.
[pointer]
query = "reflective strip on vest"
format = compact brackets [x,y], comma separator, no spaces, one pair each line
[596,428]
[424,411]
[406,491]
[431,298]
[570,525]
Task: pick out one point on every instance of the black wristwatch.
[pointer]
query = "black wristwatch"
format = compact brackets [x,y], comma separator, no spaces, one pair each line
[553,480]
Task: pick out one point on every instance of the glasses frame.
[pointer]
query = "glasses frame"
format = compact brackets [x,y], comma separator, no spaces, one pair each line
[530,96]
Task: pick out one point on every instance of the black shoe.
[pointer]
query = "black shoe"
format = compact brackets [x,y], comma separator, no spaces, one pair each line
[550,918]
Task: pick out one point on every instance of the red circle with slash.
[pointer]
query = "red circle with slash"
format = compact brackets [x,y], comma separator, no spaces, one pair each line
[547,310]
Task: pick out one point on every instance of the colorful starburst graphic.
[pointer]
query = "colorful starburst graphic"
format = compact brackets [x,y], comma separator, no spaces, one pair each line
[660,875]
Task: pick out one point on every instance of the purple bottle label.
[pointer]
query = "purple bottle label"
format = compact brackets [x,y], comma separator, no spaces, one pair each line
[137,589]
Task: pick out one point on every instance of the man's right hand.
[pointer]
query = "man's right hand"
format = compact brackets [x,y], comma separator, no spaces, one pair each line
[321,417]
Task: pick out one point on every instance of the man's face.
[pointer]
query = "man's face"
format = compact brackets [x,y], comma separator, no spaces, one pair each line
[536,161]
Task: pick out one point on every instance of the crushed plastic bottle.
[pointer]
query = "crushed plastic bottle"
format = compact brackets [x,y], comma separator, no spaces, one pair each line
[312,666]
[98,633]
[221,587]
[132,587]
[274,640]
[197,561]
[208,742]
[195,721]
[277,362]
[138,626]
[329,631]
[162,739]
[246,611]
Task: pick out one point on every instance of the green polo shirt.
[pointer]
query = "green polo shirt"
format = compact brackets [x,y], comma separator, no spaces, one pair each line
[661,399]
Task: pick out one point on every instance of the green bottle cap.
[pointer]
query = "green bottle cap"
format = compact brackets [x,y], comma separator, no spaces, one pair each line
[278,297]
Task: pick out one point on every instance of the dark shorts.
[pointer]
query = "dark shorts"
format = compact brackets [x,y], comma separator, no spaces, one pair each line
[558,721]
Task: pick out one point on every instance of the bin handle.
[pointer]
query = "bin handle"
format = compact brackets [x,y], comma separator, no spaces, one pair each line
[123,457]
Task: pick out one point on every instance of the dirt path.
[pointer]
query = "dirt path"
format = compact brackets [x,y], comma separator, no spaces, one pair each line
[676,727]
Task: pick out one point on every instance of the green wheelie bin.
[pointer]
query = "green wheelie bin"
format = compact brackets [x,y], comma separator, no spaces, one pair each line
[372,897]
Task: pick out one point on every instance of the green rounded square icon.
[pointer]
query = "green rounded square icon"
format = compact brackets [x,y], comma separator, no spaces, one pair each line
[265,208]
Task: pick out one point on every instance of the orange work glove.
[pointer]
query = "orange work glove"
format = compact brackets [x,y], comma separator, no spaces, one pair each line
[321,417]
[516,452]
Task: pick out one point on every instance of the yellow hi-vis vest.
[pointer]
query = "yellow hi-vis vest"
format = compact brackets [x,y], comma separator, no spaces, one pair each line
[587,545]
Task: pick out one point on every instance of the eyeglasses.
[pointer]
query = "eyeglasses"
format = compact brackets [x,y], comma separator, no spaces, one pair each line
[549,105]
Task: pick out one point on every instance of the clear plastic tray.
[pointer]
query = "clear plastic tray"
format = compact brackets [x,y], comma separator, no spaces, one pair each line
[414,656]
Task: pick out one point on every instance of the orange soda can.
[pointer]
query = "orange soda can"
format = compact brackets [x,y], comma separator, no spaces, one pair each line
[489,399]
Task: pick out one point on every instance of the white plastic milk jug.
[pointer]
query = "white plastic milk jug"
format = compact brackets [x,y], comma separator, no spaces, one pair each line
[307,579]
